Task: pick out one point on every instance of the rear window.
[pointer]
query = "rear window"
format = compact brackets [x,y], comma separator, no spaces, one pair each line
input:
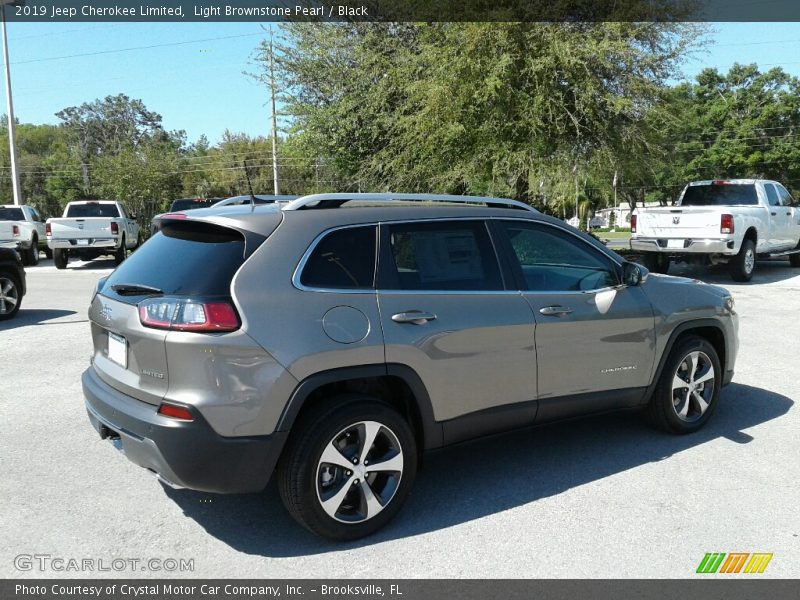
[92,210]
[720,195]
[183,259]
[190,203]
[11,214]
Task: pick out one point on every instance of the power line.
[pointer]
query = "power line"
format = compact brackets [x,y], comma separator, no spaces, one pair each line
[134,48]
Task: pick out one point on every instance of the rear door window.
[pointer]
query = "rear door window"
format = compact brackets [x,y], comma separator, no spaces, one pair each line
[343,259]
[772,195]
[785,197]
[456,255]
[720,194]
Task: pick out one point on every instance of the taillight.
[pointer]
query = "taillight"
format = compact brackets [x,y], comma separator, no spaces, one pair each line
[48,229]
[175,411]
[15,230]
[633,223]
[726,224]
[188,315]
[114,227]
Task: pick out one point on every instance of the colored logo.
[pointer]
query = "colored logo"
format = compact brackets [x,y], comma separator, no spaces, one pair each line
[734,562]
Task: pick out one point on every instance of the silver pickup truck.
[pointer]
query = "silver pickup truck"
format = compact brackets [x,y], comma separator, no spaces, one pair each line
[731,221]
[91,228]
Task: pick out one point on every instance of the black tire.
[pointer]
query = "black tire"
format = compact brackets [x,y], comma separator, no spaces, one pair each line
[668,402]
[33,252]
[60,258]
[303,476]
[122,252]
[742,266]
[10,295]
[656,262]
[48,252]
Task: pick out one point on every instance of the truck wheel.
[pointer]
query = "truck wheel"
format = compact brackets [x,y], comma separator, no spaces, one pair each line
[10,295]
[60,257]
[48,252]
[687,391]
[742,265]
[121,253]
[348,467]
[656,262]
[33,252]
[794,259]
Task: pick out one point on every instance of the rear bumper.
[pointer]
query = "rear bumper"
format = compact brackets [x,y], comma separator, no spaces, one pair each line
[690,246]
[186,454]
[92,244]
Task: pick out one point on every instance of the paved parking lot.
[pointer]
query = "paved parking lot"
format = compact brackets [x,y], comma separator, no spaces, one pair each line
[602,497]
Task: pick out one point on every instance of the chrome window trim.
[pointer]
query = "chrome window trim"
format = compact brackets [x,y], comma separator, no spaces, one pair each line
[394,292]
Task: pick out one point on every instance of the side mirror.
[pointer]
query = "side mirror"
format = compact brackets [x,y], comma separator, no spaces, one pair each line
[632,274]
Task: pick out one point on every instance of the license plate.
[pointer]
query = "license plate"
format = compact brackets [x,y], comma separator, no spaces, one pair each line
[118,349]
[83,242]
[674,243]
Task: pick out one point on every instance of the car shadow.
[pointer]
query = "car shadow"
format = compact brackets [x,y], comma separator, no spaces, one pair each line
[38,316]
[519,468]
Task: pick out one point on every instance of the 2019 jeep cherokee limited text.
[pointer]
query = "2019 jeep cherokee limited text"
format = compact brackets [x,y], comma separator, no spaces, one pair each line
[337,337]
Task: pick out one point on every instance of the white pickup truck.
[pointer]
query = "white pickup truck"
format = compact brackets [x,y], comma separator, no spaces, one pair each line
[729,221]
[90,228]
[23,227]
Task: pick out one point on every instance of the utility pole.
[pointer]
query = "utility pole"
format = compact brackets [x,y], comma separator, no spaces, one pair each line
[12,141]
[275,185]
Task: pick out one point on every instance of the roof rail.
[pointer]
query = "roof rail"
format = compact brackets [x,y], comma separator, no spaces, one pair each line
[336,200]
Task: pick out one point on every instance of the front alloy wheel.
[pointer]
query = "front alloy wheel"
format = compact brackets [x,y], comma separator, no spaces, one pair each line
[348,467]
[693,386]
[688,388]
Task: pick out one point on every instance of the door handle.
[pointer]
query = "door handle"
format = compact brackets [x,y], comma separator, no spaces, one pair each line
[555,311]
[773,214]
[788,213]
[415,317]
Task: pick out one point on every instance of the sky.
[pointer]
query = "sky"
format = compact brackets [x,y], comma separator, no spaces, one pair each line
[193,73]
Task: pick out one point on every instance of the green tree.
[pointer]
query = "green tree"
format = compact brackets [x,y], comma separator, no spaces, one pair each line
[488,108]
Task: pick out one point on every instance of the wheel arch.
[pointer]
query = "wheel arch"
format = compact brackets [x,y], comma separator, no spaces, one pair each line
[708,329]
[397,385]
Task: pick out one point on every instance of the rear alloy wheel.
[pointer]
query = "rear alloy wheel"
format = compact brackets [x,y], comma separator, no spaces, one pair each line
[348,470]
[60,257]
[688,389]
[656,262]
[10,296]
[742,265]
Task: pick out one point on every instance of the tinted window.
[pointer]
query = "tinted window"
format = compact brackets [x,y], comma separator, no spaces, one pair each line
[190,203]
[11,214]
[553,260]
[343,259]
[92,210]
[785,197]
[720,195]
[772,195]
[443,256]
[184,259]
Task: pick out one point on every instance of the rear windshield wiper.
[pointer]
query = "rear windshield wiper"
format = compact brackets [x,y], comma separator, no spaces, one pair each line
[134,289]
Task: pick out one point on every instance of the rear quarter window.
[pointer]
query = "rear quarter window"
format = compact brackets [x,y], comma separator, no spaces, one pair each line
[343,259]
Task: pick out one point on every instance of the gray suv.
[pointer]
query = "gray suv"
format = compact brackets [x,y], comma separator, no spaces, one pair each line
[336,337]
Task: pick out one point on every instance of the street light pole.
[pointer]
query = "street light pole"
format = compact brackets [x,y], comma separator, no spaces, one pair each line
[12,142]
